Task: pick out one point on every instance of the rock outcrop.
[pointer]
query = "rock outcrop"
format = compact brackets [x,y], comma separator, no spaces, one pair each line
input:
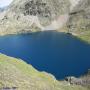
[79,20]
[83,80]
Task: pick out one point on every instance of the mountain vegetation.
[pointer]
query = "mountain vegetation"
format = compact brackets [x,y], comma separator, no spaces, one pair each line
[26,16]
[79,21]
[18,75]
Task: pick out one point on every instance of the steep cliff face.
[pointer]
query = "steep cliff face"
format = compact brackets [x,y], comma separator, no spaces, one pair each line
[1,9]
[25,15]
[17,75]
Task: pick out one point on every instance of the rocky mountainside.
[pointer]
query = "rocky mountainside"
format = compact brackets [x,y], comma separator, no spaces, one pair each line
[25,16]
[32,15]
[17,75]
[79,20]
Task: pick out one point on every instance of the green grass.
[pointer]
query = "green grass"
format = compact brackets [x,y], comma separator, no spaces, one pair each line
[85,36]
[16,73]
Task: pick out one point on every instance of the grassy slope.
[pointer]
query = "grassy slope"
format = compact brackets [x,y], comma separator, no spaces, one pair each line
[16,73]
[85,37]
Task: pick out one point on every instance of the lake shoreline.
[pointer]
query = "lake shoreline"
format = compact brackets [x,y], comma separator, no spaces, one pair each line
[83,80]
[69,34]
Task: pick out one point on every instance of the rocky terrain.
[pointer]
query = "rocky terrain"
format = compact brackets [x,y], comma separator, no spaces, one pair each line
[17,75]
[80,17]
[32,15]
[38,15]
[79,21]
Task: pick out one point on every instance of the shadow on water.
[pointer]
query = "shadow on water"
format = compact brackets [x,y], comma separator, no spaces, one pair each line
[57,53]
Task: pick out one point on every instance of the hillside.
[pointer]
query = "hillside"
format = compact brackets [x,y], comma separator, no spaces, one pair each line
[16,74]
[79,21]
[24,16]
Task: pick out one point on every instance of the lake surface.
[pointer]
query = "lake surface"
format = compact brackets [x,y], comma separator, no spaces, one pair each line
[57,53]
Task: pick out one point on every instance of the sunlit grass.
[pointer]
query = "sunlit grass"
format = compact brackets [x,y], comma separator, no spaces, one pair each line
[18,73]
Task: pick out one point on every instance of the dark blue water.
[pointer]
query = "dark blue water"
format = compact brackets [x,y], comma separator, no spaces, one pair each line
[57,53]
